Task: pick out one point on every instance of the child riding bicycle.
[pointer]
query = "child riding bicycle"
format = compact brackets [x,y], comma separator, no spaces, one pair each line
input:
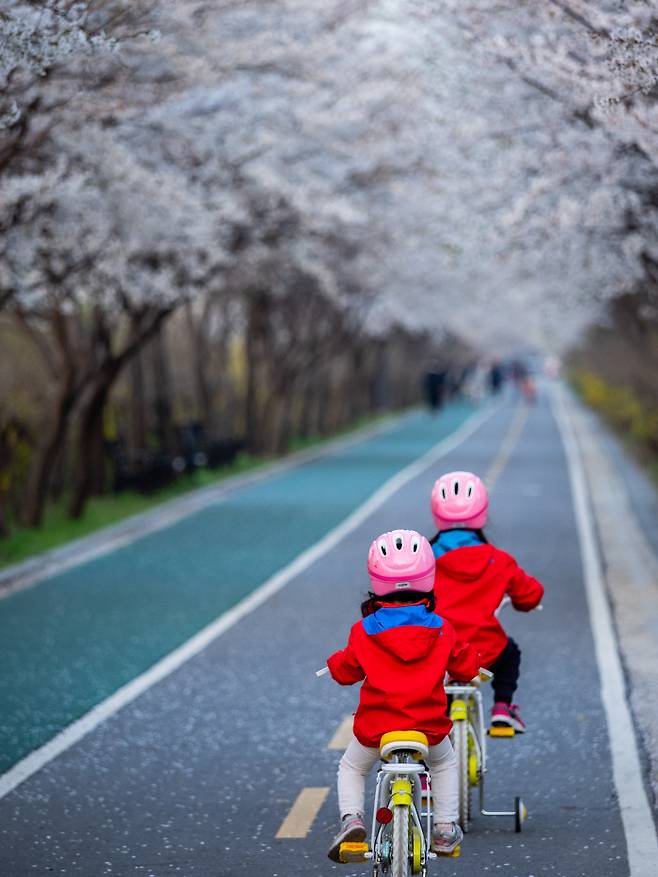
[473,578]
[401,649]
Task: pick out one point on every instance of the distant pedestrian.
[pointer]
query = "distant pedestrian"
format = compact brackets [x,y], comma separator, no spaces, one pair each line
[401,651]
[525,382]
[474,384]
[495,377]
[473,578]
[435,383]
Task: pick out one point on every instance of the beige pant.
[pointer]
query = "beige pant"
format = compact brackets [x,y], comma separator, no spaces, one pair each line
[358,761]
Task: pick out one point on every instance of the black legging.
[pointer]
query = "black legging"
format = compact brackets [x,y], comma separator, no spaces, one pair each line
[506,672]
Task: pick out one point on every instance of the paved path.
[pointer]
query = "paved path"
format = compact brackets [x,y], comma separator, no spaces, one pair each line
[196,775]
[105,621]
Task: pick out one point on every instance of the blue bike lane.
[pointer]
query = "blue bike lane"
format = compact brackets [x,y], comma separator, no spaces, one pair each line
[74,638]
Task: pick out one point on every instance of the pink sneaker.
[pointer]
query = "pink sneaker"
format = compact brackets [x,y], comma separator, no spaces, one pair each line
[446,837]
[505,714]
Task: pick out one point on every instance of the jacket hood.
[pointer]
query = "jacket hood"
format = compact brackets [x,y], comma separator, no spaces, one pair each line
[406,631]
[458,537]
[466,564]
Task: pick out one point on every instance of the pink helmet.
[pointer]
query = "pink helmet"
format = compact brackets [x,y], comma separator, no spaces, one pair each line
[459,499]
[401,559]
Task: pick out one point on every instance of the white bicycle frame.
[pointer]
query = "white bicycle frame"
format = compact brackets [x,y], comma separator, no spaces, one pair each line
[422,818]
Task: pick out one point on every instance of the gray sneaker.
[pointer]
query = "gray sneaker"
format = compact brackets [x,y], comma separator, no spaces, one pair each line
[446,842]
[352,830]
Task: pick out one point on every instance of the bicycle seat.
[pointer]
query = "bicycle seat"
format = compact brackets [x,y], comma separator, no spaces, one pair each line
[394,741]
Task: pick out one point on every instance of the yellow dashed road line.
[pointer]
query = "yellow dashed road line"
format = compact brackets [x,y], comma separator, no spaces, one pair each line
[302,814]
[343,734]
[507,447]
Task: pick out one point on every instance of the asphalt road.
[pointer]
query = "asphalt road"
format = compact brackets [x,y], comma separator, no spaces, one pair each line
[196,776]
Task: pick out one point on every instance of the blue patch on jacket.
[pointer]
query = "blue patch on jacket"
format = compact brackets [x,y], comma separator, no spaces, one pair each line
[451,539]
[389,617]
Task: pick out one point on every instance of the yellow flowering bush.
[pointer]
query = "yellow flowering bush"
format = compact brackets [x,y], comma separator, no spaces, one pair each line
[621,406]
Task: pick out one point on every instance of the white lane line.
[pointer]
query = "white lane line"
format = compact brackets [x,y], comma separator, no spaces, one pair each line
[108,539]
[175,659]
[343,734]
[302,814]
[507,447]
[631,572]
[636,816]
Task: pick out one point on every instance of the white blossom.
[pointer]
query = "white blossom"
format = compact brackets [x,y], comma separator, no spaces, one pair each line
[484,168]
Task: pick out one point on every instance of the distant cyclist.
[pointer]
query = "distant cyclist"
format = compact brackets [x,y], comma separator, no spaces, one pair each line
[401,651]
[472,580]
[525,382]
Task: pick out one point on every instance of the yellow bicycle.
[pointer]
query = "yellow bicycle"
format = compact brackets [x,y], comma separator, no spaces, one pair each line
[402,816]
[469,740]
[401,832]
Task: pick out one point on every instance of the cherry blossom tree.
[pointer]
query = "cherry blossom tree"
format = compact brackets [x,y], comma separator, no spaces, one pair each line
[322,184]
[460,188]
[95,259]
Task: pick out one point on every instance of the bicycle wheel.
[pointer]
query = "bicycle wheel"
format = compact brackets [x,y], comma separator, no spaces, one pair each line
[400,841]
[460,743]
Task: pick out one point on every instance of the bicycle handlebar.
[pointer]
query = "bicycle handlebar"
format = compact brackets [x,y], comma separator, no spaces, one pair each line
[484,675]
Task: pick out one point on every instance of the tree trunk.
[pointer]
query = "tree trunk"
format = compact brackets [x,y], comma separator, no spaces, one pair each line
[256,343]
[4,516]
[381,390]
[5,480]
[307,425]
[49,453]
[138,404]
[225,410]
[163,407]
[355,389]
[69,383]
[204,394]
[99,456]
[324,401]
[145,326]
[91,436]
[279,416]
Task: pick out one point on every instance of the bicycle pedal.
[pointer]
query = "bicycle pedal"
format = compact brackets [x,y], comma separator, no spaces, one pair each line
[352,852]
[501,731]
[455,854]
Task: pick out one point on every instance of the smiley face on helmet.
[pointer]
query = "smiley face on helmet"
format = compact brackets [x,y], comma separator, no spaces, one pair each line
[459,499]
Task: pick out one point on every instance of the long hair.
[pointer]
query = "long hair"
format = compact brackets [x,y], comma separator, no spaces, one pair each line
[374,602]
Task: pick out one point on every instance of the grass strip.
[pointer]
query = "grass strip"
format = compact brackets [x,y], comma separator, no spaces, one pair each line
[58,528]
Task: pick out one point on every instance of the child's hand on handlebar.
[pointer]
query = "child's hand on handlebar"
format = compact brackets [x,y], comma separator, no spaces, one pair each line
[483,676]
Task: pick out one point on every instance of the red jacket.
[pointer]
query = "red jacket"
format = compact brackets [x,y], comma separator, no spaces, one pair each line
[470,584]
[402,651]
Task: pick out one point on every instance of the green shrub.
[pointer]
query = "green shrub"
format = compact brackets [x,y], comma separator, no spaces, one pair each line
[622,407]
